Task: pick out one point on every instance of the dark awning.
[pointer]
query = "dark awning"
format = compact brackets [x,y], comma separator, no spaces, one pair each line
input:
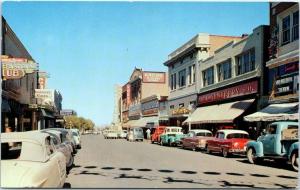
[5,107]
[46,113]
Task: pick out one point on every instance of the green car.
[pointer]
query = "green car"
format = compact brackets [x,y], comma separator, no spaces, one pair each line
[171,136]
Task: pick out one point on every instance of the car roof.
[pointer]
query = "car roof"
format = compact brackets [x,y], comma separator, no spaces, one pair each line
[173,127]
[230,131]
[33,136]
[200,130]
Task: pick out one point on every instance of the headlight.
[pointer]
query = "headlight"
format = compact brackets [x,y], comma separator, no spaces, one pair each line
[236,144]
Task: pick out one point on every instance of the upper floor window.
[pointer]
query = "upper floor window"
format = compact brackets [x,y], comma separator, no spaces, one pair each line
[182,78]
[191,74]
[286,30]
[173,81]
[246,62]
[208,76]
[224,70]
[194,73]
[295,26]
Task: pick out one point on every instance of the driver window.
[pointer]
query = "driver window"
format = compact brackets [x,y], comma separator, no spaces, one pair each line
[272,129]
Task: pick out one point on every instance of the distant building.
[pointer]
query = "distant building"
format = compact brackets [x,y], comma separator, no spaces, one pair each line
[117,117]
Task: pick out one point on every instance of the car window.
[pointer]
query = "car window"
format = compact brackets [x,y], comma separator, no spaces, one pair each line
[54,140]
[203,134]
[292,127]
[220,135]
[237,136]
[74,133]
[49,146]
[191,134]
[271,129]
[11,151]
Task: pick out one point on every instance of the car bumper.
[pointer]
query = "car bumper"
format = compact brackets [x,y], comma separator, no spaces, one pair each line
[237,151]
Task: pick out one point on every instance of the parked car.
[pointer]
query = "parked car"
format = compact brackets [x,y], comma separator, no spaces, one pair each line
[111,134]
[122,134]
[155,137]
[135,134]
[171,136]
[63,147]
[279,142]
[228,141]
[196,139]
[76,138]
[30,160]
[66,137]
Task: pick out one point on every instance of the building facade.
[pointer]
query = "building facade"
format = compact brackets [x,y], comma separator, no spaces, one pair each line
[183,78]
[232,81]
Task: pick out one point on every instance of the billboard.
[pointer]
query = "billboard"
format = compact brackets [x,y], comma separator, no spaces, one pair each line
[154,77]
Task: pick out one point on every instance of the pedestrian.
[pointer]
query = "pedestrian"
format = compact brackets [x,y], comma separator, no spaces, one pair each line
[148,133]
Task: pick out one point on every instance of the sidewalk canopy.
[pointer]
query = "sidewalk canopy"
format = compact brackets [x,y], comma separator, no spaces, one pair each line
[129,123]
[222,113]
[275,112]
[142,122]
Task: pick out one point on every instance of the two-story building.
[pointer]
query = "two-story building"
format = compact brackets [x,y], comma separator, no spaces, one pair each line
[283,66]
[183,69]
[231,82]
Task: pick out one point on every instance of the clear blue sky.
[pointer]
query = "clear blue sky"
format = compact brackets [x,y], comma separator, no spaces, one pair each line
[87,47]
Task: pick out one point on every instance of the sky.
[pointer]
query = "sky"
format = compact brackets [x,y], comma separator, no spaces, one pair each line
[88,47]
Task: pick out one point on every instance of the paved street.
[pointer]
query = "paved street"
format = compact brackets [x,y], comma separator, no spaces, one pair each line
[118,163]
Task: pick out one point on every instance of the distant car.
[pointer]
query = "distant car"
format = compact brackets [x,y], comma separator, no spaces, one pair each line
[135,134]
[63,147]
[30,160]
[228,142]
[111,134]
[122,134]
[155,137]
[196,139]
[171,136]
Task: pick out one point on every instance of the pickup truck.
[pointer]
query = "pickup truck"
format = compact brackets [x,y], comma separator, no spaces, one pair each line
[279,142]
[155,137]
[171,136]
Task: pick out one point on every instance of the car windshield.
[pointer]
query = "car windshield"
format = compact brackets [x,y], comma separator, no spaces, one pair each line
[204,134]
[74,133]
[237,136]
[175,130]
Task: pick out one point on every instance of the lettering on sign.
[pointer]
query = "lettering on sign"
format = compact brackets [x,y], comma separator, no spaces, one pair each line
[236,91]
[153,77]
[16,68]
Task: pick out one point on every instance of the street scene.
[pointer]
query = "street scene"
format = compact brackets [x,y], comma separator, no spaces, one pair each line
[123,95]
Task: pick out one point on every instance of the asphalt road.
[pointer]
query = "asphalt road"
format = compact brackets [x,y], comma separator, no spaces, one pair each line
[117,163]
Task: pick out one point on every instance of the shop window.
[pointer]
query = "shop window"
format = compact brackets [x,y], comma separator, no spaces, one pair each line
[295,25]
[208,76]
[246,62]
[286,30]
[224,70]
[182,78]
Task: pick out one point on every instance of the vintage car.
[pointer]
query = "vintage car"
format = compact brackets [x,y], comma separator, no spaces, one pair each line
[171,136]
[196,139]
[111,134]
[228,141]
[30,160]
[122,134]
[76,138]
[65,148]
[66,137]
[135,134]
[155,137]
[279,142]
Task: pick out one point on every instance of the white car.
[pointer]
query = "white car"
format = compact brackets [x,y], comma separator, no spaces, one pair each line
[122,134]
[111,134]
[76,138]
[65,148]
[30,160]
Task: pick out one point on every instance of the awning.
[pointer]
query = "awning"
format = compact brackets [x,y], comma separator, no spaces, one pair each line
[142,122]
[163,118]
[5,107]
[47,114]
[129,123]
[276,112]
[222,113]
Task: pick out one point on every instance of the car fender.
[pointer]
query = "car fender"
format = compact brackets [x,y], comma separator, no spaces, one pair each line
[258,147]
[171,139]
[294,147]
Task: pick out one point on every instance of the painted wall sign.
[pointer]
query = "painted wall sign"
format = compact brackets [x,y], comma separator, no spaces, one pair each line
[67,112]
[16,68]
[154,77]
[236,91]
[149,108]
[287,85]
[134,110]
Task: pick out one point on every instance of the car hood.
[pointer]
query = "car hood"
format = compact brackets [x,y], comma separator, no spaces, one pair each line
[21,174]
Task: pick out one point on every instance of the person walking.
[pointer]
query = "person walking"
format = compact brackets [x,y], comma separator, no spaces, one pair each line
[148,131]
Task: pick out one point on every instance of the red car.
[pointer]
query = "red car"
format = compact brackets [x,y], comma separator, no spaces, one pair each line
[158,131]
[228,141]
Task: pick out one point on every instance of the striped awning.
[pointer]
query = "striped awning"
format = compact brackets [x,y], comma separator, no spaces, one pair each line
[222,113]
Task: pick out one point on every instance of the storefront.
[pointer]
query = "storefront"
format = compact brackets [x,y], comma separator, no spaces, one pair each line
[225,107]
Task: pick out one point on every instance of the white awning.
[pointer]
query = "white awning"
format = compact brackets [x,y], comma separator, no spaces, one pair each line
[276,112]
[222,113]
[142,122]
[129,123]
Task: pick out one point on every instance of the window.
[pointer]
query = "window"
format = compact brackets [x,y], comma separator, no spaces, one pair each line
[295,26]
[224,70]
[193,73]
[286,30]
[182,78]
[9,152]
[171,107]
[173,81]
[208,76]
[272,129]
[246,62]
[190,74]
[221,135]
[237,136]
[203,134]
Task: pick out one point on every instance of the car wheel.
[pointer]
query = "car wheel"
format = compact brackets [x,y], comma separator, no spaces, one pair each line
[251,155]
[193,148]
[152,142]
[295,161]
[225,153]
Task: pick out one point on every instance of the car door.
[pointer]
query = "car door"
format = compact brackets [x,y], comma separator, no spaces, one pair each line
[191,140]
[269,140]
